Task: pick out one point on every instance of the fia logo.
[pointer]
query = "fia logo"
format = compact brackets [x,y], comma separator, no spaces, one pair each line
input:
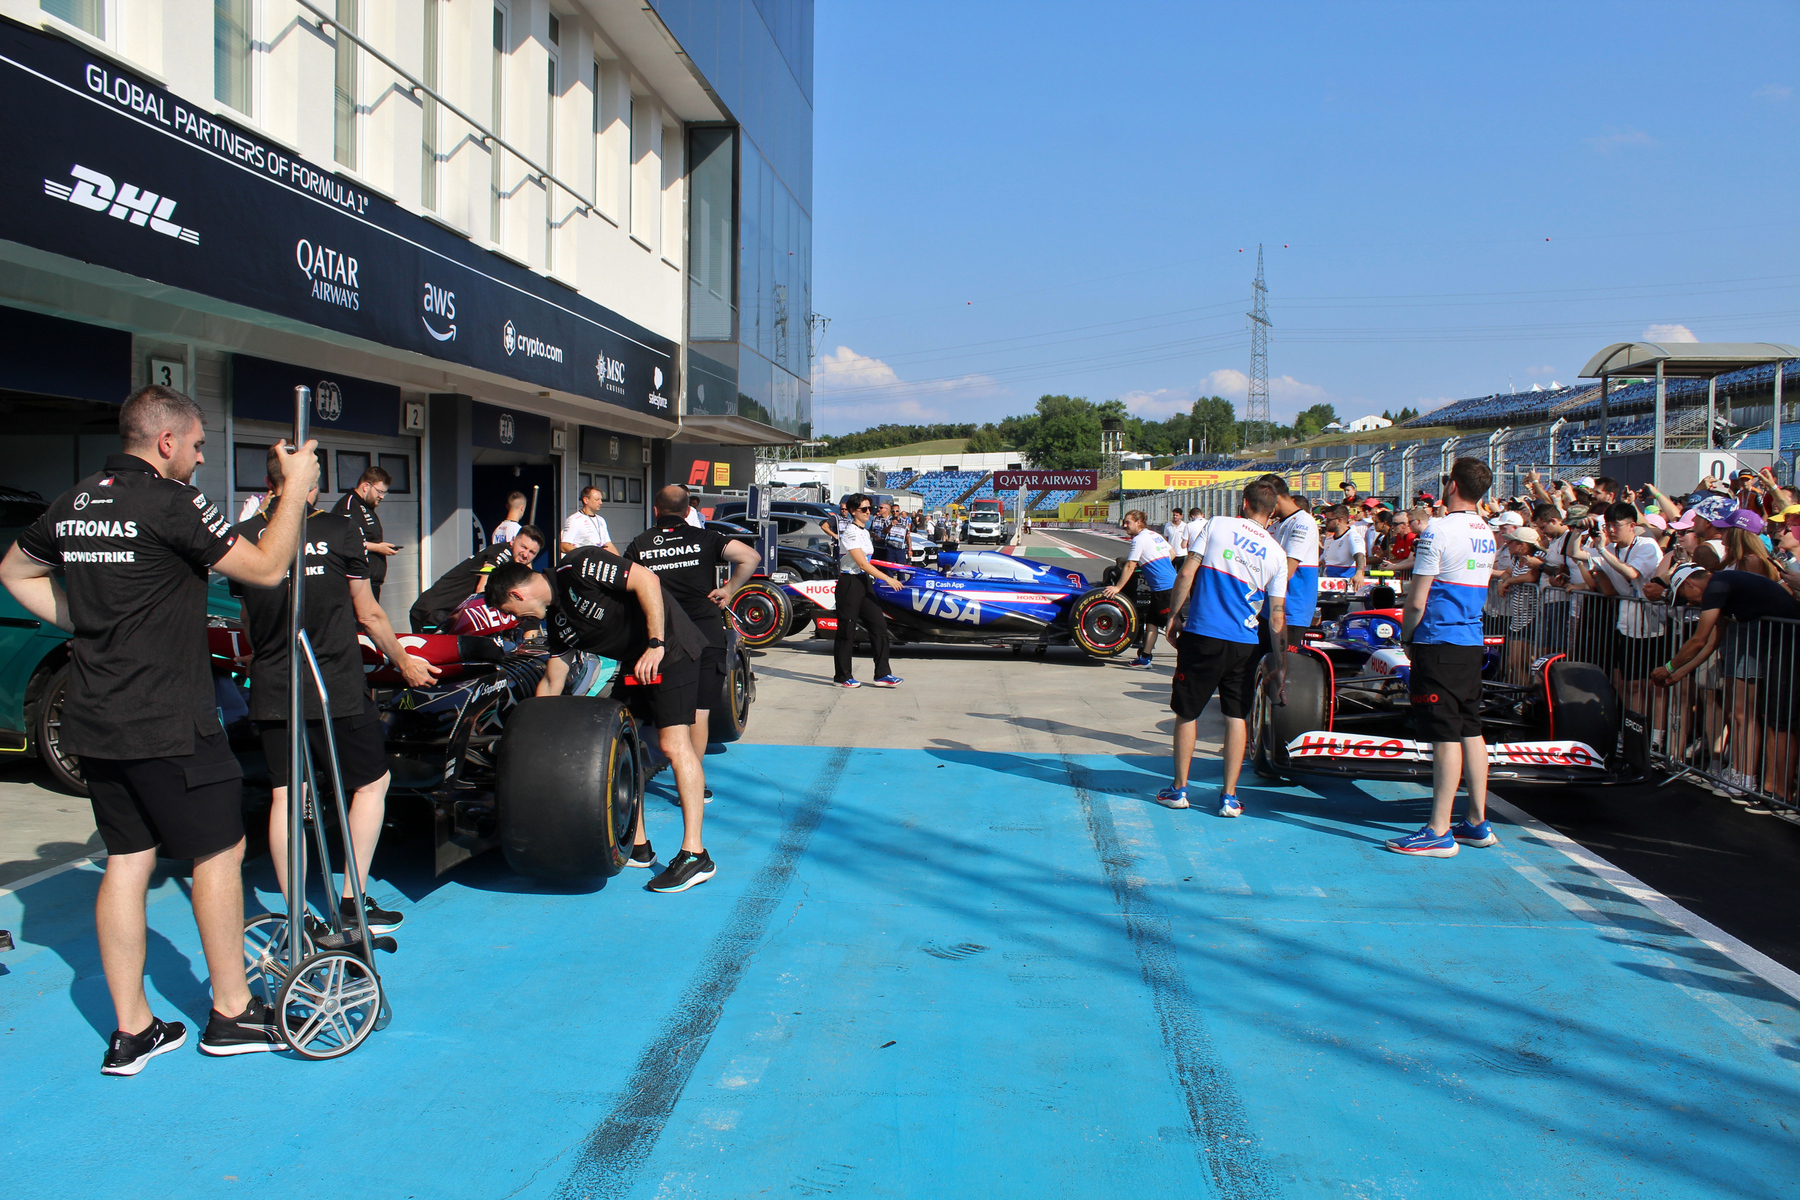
[507,429]
[509,337]
[122,201]
[328,401]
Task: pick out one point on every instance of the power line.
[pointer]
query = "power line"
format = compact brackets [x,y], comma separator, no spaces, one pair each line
[1256,400]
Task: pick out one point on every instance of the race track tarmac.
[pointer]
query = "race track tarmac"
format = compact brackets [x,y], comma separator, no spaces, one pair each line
[957,973]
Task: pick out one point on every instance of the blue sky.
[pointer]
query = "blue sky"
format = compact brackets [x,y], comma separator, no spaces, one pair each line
[1020,198]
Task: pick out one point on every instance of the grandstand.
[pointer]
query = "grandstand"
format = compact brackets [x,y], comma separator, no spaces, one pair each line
[938,488]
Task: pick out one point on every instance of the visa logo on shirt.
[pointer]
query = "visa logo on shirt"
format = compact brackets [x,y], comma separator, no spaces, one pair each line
[1248,545]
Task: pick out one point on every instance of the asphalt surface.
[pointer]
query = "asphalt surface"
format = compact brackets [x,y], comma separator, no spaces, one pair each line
[1737,868]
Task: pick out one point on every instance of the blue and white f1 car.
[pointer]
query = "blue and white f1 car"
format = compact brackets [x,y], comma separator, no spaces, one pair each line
[979,597]
[1347,710]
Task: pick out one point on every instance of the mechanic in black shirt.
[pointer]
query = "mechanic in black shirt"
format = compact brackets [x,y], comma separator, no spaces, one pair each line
[600,604]
[134,543]
[339,598]
[359,504]
[437,606]
[687,560]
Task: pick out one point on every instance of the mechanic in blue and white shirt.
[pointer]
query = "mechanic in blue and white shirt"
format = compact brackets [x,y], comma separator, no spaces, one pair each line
[1219,636]
[1298,533]
[1441,628]
[1174,532]
[1149,548]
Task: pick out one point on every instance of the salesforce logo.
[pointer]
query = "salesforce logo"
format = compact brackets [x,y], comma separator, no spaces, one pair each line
[530,347]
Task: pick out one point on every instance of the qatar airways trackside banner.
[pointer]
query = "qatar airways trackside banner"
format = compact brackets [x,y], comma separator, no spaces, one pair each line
[1006,481]
[110,168]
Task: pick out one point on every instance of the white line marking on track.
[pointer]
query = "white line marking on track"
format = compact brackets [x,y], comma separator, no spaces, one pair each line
[1746,956]
[20,884]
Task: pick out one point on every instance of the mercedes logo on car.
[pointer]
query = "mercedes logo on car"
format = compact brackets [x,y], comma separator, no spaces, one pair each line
[509,337]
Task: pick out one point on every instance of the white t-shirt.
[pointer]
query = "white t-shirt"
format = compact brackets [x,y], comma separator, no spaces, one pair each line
[583,530]
[1457,552]
[1175,533]
[1341,551]
[504,531]
[1195,532]
[1636,618]
[1556,558]
[694,518]
[1299,538]
[1153,556]
[854,537]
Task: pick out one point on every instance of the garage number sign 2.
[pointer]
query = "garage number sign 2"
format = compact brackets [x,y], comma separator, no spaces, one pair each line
[129,177]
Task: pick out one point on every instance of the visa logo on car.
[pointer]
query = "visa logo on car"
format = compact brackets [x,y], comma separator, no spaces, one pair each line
[946,608]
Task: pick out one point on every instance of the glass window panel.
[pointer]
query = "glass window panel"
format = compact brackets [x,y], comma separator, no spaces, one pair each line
[399,466]
[344,139]
[350,466]
[89,16]
[635,491]
[618,489]
[710,260]
[603,483]
[231,53]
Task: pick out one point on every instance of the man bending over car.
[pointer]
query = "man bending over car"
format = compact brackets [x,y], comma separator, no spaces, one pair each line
[598,603]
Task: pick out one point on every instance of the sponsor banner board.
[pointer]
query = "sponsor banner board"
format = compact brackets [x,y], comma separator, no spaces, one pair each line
[122,173]
[264,391]
[1167,481]
[1041,481]
[710,468]
[1071,511]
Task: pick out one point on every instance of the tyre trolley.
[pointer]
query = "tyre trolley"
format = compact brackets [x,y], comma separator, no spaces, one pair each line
[318,975]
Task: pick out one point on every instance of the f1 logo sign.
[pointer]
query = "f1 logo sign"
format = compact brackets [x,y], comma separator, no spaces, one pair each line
[720,472]
[697,473]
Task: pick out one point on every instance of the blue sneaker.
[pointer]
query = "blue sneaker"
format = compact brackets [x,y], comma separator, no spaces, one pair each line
[887,681]
[1142,660]
[1474,835]
[846,683]
[1229,807]
[1425,844]
[1173,797]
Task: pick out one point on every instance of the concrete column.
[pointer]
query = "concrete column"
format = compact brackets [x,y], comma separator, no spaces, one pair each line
[448,509]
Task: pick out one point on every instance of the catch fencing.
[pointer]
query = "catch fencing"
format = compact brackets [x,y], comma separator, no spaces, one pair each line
[1729,725]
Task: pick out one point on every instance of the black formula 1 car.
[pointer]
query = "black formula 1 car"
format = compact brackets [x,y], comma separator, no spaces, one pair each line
[1348,712]
[972,597]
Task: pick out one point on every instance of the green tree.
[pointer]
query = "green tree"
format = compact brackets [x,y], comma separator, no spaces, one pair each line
[985,440]
[1310,422]
[1066,433]
[1214,424]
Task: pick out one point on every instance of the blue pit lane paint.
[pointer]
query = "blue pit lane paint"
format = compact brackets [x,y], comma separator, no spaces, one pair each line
[931,973]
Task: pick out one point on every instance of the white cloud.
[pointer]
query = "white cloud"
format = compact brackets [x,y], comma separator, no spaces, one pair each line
[1619,139]
[858,389]
[1668,333]
[1773,92]
[1158,405]
[1287,395]
[1540,370]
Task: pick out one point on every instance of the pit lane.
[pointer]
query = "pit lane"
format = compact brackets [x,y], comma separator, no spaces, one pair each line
[953,947]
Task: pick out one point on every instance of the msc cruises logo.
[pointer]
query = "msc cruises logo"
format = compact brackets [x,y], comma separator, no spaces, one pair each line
[529,346]
[123,201]
[328,401]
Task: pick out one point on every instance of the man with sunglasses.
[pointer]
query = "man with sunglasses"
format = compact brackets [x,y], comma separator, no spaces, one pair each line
[855,604]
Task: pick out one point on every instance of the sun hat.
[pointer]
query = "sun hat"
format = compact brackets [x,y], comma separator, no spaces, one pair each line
[1576,512]
[1655,521]
[1526,534]
[1788,513]
[1505,519]
[1682,574]
[1686,523]
[1586,481]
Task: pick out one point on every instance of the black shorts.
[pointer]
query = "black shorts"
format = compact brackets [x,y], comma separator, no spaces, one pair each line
[1446,691]
[190,805]
[361,756]
[710,693]
[1204,665]
[671,702]
[1156,608]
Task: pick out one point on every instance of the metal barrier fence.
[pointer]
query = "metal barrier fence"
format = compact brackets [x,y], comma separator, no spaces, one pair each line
[1729,725]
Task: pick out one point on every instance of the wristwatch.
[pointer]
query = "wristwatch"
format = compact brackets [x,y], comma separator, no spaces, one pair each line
[656,642]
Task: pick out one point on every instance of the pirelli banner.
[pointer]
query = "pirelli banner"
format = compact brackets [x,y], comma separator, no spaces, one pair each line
[109,168]
[1072,511]
[1175,481]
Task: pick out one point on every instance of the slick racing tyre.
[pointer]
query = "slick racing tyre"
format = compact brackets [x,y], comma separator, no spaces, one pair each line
[568,787]
[728,720]
[46,732]
[763,612]
[1583,706]
[1102,625]
[1274,724]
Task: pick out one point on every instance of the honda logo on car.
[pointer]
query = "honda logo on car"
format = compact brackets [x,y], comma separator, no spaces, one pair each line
[1323,744]
[532,347]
